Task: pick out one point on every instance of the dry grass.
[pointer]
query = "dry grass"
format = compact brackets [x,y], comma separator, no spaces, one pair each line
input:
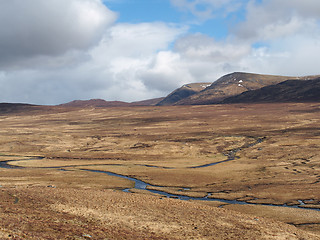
[282,169]
[69,213]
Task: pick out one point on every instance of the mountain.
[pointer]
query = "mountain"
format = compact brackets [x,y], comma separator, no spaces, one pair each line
[287,91]
[149,102]
[231,88]
[100,103]
[234,84]
[182,93]
[15,107]
[95,103]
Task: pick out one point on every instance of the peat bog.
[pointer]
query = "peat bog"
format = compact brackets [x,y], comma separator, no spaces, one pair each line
[266,155]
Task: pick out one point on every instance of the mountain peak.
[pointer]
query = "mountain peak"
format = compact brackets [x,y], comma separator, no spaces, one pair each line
[183,92]
[288,91]
[234,84]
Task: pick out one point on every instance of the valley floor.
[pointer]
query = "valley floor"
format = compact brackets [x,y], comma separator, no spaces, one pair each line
[267,155]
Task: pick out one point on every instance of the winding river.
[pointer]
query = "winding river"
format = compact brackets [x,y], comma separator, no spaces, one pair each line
[141,185]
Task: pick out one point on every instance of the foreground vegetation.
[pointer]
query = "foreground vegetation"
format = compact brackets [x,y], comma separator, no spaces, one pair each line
[273,155]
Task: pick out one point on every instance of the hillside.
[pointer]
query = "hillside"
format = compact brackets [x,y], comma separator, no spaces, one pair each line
[234,84]
[182,93]
[66,213]
[95,103]
[100,103]
[287,91]
[148,102]
[6,108]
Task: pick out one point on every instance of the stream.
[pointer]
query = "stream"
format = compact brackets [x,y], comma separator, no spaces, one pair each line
[141,185]
[4,164]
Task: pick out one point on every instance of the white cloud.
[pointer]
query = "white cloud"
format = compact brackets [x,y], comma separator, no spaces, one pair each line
[294,56]
[137,40]
[286,32]
[58,50]
[276,37]
[130,52]
[166,72]
[111,70]
[199,46]
[275,19]
[289,32]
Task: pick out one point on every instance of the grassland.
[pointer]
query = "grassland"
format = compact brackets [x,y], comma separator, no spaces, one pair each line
[275,160]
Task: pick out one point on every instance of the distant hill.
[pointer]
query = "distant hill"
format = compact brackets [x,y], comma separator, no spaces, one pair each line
[15,107]
[182,93]
[287,91]
[232,88]
[234,84]
[149,102]
[96,103]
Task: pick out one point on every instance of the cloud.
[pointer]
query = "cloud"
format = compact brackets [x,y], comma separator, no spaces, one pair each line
[275,37]
[138,40]
[287,34]
[133,56]
[33,28]
[199,46]
[166,72]
[272,19]
[291,56]
[57,51]
[113,69]
[194,58]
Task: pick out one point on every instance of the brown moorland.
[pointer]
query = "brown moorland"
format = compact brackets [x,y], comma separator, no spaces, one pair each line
[265,155]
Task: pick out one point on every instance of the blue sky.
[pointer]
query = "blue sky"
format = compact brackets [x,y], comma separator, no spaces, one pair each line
[139,11]
[144,11]
[57,51]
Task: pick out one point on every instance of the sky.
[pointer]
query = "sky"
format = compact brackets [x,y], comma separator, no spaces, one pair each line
[56,51]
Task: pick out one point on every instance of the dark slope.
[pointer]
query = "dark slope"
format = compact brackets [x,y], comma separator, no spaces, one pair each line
[234,84]
[182,93]
[16,107]
[287,91]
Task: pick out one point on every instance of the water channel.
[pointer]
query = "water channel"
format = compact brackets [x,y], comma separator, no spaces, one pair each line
[141,185]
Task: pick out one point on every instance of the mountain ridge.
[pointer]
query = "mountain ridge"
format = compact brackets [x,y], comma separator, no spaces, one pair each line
[287,91]
[183,92]
[101,103]
[220,91]
[234,84]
